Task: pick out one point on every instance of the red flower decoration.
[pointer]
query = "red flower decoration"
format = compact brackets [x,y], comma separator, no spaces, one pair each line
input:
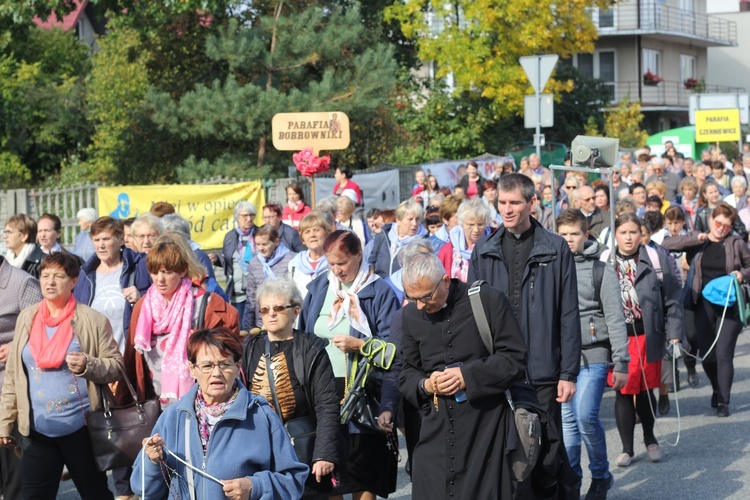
[308,164]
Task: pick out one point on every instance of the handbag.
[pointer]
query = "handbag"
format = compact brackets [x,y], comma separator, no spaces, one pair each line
[362,400]
[301,430]
[118,431]
[742,291]
[528,442]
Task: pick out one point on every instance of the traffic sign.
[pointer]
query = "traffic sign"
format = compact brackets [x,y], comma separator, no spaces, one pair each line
[717,125]
[530,114]
[538,69]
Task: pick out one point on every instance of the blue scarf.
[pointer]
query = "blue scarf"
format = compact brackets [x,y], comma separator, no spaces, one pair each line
[458,240]
[398,243]
[278,254]
[246,255]
[302,262]
[442,234]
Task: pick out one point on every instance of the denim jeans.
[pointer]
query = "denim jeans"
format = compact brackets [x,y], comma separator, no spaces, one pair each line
[581,421]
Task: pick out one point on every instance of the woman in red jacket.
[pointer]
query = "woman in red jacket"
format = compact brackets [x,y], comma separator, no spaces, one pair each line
[295,207]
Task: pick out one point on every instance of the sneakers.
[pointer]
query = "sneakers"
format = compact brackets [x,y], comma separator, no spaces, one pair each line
[599,487]
[654,452]
[693,379]
[624,459]
[663,404]
[722,411]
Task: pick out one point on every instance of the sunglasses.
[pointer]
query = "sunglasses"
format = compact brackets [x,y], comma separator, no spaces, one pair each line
[719,225]
[570,187]
[277,309]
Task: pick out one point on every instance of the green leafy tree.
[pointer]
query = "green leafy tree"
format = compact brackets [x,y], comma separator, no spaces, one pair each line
[624,122]
[308,60]
[479,42]
[42,111]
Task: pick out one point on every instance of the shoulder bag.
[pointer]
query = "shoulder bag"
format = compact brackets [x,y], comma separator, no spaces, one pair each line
[527,424]
[301,430]
[117,432]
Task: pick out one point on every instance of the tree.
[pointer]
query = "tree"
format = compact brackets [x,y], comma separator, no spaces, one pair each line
[308,60]
[479,42]
[624,122]
[42,112]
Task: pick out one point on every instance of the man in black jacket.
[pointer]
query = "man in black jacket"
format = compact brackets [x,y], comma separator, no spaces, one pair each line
[536,270]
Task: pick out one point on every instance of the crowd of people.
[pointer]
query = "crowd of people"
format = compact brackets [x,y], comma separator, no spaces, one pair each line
[439,318]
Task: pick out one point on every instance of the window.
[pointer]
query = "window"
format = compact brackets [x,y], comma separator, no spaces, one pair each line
[687,67]
[652,61]
[601,64]
[606,19]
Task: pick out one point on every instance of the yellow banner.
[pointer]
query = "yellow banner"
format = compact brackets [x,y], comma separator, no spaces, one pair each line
[716,125]
[208,208]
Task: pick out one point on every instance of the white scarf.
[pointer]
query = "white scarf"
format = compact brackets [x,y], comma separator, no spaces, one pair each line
[18,260]
[347,303]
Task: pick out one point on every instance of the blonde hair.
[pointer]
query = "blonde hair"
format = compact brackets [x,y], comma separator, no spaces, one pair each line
[408,207]
[315,219]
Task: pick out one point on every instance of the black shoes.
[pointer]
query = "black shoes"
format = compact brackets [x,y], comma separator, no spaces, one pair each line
[599,488]
[722,411]
[663,404]
[693,379]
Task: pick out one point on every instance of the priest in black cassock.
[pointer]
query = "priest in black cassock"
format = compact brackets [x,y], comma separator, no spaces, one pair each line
[458,386]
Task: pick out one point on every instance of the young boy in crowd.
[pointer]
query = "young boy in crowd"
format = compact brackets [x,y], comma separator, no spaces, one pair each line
[604,341]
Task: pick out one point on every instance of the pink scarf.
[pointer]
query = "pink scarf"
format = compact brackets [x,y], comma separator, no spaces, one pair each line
[173,319]
[49,353]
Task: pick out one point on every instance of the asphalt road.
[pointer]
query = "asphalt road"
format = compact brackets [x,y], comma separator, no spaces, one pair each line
[711,460]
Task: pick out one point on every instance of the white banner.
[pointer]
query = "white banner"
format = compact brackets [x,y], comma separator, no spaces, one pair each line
[449,173]
[380,189]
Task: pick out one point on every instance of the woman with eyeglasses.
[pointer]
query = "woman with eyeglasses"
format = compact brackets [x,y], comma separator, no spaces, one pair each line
[162,321]
[714,253]
[292,371]
[145,230]
[20,240]
[233,440]
[473,223]
[347,306]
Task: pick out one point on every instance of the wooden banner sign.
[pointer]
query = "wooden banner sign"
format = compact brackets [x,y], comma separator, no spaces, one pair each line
[319,131]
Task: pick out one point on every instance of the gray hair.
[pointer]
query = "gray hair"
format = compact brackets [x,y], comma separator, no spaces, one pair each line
[474,209]
[422,266]
[657,160]
[738,179]
[417,245]
[150,220]
[175,223]
[246,206]
[88,214]
[281,287]
[328,205]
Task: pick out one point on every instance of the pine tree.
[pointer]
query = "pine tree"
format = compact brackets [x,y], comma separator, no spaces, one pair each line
[304,59]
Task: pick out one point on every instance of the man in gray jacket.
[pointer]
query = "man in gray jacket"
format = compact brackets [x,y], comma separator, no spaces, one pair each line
[18,290]
[603,338]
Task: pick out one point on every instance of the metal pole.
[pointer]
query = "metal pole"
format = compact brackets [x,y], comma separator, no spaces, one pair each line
[554,200]
[612,256]
[538,107]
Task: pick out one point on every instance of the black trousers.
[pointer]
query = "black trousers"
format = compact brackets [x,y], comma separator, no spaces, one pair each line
[719,364]
[691,335]
[42,464]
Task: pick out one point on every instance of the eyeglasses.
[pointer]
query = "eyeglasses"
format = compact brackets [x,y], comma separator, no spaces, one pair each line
[151,237]
[224,366]
[719,225]
[8,233]
[277,309]
[245,216]
[426,298]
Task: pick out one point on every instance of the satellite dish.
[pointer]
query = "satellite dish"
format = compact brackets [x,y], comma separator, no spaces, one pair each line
[594,151]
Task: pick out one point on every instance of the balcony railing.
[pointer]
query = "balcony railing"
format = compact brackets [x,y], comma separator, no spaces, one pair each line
[664,19]
[666,93]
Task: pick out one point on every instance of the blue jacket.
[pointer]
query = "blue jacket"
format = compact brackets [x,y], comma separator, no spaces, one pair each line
[249,441]
[380,256]
[134,273]
[549,320]
[378,302]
